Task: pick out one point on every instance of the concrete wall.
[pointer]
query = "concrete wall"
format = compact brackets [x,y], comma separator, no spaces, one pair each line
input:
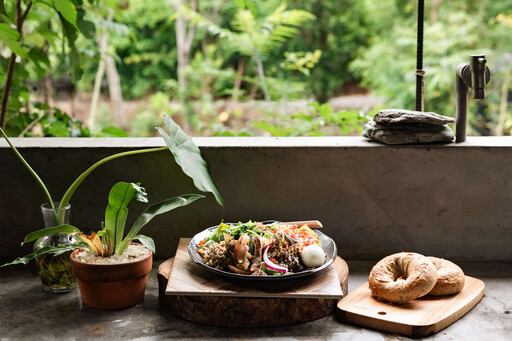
[452,201]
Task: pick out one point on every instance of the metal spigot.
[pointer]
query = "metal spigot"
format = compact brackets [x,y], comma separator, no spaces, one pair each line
[475,75]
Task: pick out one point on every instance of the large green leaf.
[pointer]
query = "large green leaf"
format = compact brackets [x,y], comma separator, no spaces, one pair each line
[115,215]
[11,37]
[64,228]
[16,47]
[86,27]
[67,9]
[9,32]
[55,250]
[188,156]
[71,33]
[154,210]
[146,241]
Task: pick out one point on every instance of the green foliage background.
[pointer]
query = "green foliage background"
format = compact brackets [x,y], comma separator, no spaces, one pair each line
[360,43]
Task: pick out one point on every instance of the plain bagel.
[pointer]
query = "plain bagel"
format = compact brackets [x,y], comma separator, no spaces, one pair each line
[402,277]
[450,277]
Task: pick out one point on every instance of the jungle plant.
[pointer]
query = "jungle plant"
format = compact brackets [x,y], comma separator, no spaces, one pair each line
[261,35]
[255,34]
[186,154]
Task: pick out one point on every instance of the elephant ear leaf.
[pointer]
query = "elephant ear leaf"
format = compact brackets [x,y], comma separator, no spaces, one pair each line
[146,241]
[188,156]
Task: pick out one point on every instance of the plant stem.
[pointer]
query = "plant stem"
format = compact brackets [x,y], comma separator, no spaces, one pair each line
[34,174]
[67,196]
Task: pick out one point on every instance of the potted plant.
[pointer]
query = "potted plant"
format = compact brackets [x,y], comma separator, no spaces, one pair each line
[111,270]
[56,271]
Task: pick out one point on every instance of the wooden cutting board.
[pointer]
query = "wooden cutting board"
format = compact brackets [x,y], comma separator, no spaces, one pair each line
[422,317]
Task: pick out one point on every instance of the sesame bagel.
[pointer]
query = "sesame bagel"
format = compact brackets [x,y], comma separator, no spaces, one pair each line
[450,277]
[402,277]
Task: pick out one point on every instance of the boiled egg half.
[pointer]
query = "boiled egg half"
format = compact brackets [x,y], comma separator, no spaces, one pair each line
[312,256]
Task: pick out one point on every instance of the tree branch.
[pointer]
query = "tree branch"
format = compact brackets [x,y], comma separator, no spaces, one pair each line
[24,16]
[189,39]
[20,19]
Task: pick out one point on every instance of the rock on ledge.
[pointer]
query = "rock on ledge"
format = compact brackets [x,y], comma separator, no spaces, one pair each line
[398,126]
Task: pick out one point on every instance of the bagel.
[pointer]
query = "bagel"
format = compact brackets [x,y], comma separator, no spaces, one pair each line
[402,277]
[450,277]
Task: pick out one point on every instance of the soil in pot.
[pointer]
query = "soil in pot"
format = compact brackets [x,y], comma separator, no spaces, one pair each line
[112,282]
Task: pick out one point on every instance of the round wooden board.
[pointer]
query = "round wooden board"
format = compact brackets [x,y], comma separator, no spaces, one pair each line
[248,312]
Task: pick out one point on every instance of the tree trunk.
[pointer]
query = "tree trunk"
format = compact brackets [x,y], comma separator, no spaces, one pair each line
[261,74]
[238,80]
[254,89]
[504,100]
[180,45]
[435,10]
[184,39]
[114,88]
[319,41]
[96,95]
[102,46]
[47,90]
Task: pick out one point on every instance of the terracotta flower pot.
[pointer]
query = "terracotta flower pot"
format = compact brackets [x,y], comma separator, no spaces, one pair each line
[112,286]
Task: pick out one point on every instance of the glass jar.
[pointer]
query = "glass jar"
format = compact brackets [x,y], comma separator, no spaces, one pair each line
[55,271]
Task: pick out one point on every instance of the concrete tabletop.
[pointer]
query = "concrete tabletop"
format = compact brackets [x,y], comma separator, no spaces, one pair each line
[26,312]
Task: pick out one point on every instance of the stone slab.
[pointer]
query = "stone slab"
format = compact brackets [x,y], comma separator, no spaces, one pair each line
[402,116]
[408,134]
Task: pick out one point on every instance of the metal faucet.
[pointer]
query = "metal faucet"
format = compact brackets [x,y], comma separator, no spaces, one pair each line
[474,75]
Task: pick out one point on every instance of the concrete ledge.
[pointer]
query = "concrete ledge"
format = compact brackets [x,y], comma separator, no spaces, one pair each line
[450,200]
[212,142]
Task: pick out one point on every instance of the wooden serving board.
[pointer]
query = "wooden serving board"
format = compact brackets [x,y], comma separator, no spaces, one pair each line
[269,308]
[423,316]
[189,279]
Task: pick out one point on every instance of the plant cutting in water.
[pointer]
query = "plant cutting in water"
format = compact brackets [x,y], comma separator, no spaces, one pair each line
[186,154]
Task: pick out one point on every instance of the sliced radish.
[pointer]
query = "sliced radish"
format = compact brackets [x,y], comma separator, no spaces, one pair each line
[270,265]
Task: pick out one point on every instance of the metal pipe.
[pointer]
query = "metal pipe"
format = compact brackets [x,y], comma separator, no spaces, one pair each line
[461,106]
[478,75]
[475,75]
[419,59]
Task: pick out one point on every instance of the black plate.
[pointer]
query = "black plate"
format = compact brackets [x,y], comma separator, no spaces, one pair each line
[327,243]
